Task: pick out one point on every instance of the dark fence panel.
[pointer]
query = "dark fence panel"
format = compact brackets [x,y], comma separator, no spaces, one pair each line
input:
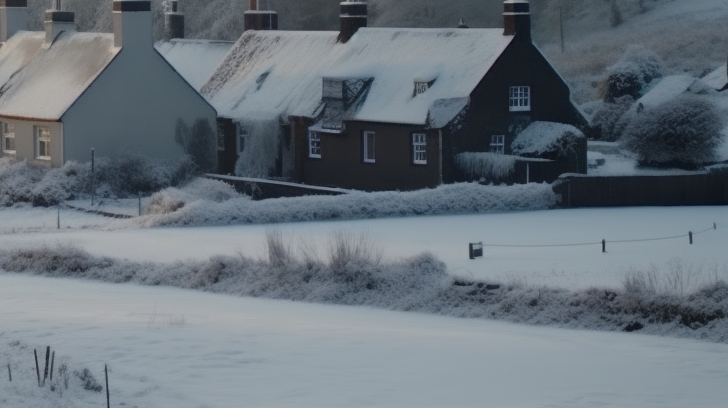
[704,188]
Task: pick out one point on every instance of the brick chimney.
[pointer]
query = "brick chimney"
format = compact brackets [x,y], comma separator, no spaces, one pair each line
[353,16]
[13,18]
[58,21]
[132,23]
[256,19]
[174,22]
[517,19]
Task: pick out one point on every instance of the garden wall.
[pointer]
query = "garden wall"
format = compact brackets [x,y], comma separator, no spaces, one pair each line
[700,188]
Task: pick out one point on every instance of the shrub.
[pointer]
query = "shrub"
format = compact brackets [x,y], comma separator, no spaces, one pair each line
[635,69]
[484,165]
[17,180]
[684,133]
[608,115]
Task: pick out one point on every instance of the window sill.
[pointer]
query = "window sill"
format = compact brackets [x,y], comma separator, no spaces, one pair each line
[46,158]
[520,109]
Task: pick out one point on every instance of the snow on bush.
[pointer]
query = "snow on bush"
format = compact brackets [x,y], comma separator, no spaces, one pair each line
[123,176]
[684,132]
[608,114]
[261,151]
[547,140]
[17,180]
[464,198]
[485,165]
[355,275]
[200,189]
[629,76]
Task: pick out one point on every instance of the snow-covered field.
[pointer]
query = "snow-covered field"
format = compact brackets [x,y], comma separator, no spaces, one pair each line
[520,246]
[170,347]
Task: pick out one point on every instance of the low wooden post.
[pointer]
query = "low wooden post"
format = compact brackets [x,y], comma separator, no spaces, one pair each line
[106,374]
[53,360]
[475,250]
[37,367]
[140,203]
[47,364]
[10,374]
[604,246]
[690,234]
[58,218]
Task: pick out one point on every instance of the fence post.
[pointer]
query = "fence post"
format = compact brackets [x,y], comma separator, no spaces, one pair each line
[58,217]
[37,368]
[604,246]
[690,234]
[10,374]
[106,374]
[140,203]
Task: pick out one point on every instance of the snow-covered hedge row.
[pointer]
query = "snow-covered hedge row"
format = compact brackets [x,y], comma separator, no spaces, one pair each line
[123,176]
[465,198]
[485,165]
[418,284]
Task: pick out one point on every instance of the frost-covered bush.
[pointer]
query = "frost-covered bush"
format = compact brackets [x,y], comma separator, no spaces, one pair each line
[485,165]
[684,133]
[629,76]
[607,115]
[17,180]
[548,140]
[172,199]
[130,174]
[64,183]
[262,149]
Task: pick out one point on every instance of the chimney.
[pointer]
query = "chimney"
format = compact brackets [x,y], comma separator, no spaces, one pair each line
[353,16]
[517,19]
[174,22]
[57,21]
[256,19]
[132,23]
[13,18]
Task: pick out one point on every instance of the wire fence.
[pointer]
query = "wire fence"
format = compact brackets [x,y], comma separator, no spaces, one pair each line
[603,242]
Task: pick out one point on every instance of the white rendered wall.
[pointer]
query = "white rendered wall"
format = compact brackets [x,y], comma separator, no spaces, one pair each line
[135,104]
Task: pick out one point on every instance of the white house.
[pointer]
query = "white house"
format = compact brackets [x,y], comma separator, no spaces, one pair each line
[63,92]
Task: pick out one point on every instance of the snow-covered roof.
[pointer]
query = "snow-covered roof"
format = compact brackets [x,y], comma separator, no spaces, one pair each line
[41,81]
[280,73]
[666,90]
[717,79]
[195,60]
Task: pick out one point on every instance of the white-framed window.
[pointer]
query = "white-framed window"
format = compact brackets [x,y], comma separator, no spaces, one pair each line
[42,143]
[8,142]
[498,144]
[419,148]
[519,99]
[241,135]
[368,142]
[314,144]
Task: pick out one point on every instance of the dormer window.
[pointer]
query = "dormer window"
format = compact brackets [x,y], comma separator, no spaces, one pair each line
[422,86]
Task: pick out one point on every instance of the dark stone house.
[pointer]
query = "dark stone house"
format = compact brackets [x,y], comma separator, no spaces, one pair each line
[382,108]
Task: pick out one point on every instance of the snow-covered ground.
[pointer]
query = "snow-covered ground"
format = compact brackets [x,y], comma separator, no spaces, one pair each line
[168,347]
[518,246]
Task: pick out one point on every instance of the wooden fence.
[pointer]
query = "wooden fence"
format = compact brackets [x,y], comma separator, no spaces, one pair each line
[700,188]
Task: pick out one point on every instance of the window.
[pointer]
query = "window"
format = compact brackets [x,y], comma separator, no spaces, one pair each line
[419,148]
[368,147]
[221,136]
[314,145]
[421,87]
[498,144]
[520,99]
[8,145]
[242,133]
[42,143]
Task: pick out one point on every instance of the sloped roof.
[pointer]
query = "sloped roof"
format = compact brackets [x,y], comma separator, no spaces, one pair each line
[279,73]
[195,60]
[41,81]
[717,79]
